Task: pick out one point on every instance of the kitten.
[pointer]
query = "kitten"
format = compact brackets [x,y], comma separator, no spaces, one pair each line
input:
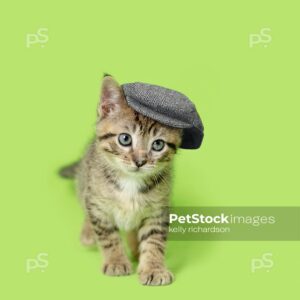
[123,182]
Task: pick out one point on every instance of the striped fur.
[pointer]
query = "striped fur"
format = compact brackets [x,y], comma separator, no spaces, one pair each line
[118,195]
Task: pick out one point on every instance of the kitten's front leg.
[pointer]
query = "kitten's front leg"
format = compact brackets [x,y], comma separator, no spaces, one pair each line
[152,237]
[116,262]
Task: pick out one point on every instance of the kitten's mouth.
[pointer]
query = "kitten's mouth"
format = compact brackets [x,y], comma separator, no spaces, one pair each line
[137,170]
[132,169]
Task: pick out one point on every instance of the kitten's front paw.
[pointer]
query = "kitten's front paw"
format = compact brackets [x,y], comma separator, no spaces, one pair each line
[117,268]
[158,276]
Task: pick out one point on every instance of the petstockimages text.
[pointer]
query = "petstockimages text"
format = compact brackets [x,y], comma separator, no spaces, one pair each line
[220,219]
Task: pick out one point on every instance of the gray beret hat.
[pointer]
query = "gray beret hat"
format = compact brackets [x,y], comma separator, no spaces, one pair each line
[168,107]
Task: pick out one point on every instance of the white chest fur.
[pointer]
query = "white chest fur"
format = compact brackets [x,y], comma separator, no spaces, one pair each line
[130,207]
[130,186]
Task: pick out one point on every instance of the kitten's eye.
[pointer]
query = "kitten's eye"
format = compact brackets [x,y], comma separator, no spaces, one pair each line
[125,139]
[158,145]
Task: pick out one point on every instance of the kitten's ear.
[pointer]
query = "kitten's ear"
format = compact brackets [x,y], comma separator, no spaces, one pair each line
[111,97]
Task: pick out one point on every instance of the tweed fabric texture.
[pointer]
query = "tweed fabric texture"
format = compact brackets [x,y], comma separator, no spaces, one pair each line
[168,107]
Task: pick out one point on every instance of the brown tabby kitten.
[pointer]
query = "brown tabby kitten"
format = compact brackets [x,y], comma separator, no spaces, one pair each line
[124,183]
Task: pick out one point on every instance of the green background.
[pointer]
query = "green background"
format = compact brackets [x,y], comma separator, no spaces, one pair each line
[247,97]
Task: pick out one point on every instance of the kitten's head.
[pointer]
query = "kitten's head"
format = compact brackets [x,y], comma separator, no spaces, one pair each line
[129,141]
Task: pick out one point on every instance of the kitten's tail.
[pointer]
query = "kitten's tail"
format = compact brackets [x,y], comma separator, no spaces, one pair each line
[69,171]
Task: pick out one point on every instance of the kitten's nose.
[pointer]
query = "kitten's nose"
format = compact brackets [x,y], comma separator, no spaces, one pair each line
[140,163]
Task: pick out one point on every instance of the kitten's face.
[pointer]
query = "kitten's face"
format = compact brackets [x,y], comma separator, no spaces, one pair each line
[131,142]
